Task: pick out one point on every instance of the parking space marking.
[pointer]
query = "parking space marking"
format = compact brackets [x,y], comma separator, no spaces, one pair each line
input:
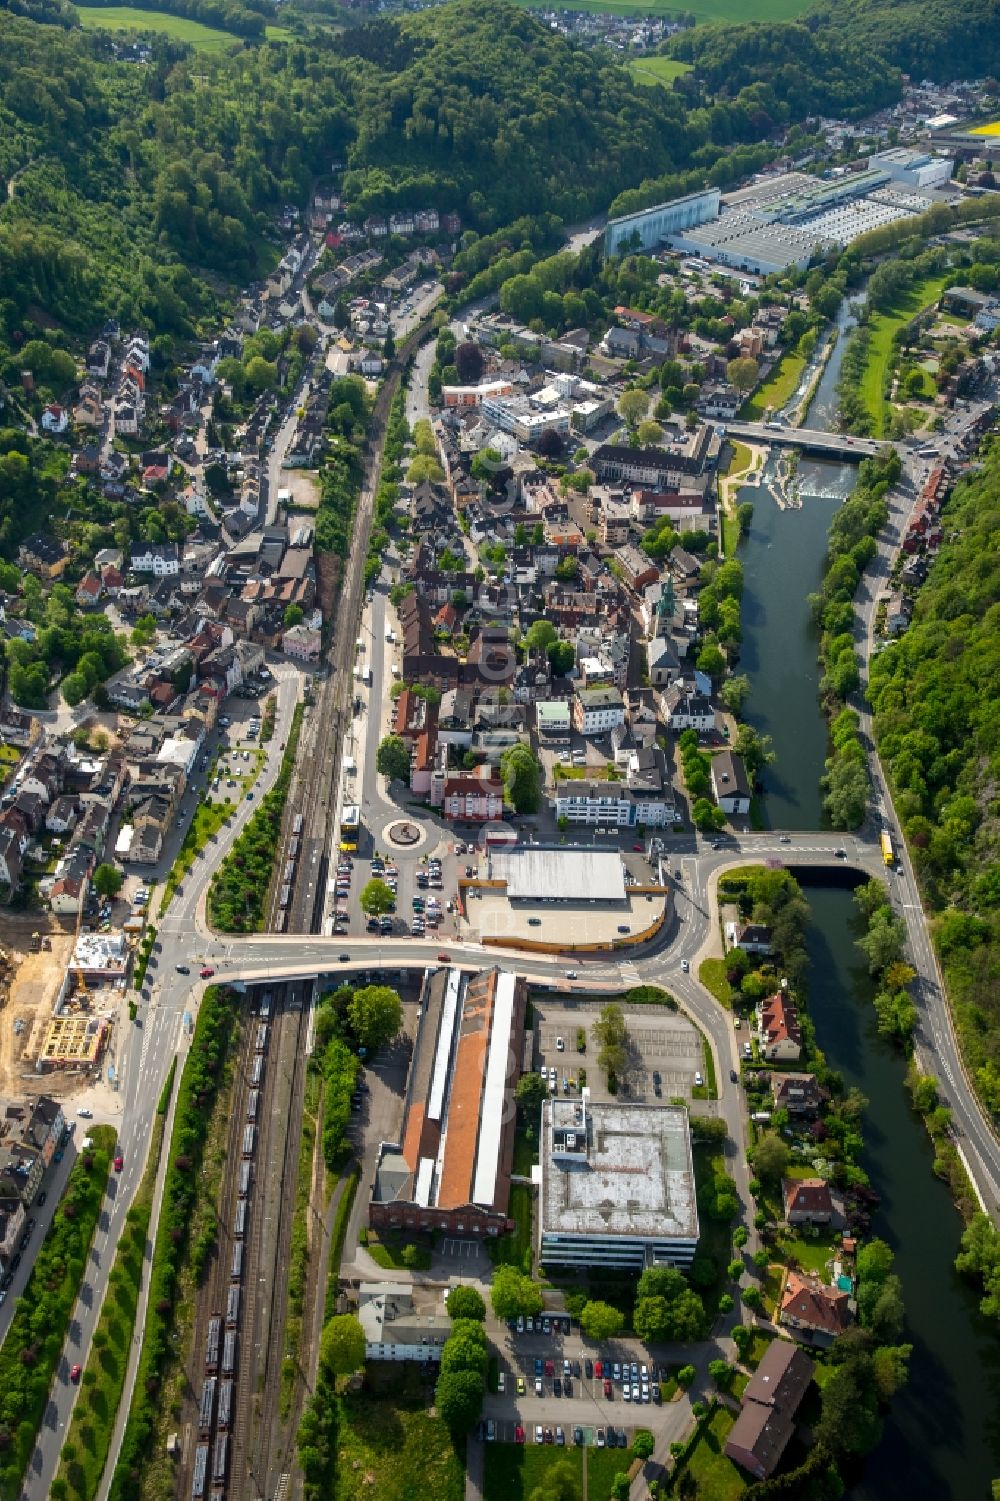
[469,1248]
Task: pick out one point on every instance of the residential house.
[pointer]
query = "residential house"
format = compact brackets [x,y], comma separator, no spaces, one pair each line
[12,847]
[779,1030]
[62,815]
[473,798]
[688,711]
[394,1329]
[18,728]
[813,1312]
[302,642]
[729,783]
[161,559]
[43,554]
[751,937]
[89,590]
[552,717]
[811,1201]
[89,410]
[596,711]
[55,419]
[637,568]
[770,1401]
[800,1094]
[31,1133]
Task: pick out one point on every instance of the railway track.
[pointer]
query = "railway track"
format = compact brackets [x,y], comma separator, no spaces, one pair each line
[261,1445]
[216,1422]
[272,1448]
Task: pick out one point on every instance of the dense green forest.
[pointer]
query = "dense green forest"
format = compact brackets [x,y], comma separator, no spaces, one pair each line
[148,191]
[935,694]
[843,57]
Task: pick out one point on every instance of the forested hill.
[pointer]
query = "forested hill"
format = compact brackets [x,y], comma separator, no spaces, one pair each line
[843,56]
[479,97]
[141,191]
[934,694]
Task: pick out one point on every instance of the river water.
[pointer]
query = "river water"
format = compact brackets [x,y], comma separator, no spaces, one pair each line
[942,1440]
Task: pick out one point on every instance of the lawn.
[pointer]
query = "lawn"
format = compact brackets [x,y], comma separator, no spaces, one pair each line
[715,1237]
[393,1250]
[812,1255]
[772,1288]
[128,18]
[208,819]
[602,1467]
[712,974]
[755,1354]
[882,350]
[515,1249]
[651,70]
[715,1476]
[512,1471]
[525,1154]
[702,10]
[777,390]
[389,1446]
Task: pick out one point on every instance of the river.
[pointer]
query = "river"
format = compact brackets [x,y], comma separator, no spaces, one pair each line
[942,1439]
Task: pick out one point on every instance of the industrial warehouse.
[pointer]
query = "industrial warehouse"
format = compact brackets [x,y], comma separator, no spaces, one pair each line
[616,1185]
[786,220]
[451,1170]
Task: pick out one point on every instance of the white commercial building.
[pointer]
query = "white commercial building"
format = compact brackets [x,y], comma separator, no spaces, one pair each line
[394,1329]
[650,227]
[617,1185]
[917,169]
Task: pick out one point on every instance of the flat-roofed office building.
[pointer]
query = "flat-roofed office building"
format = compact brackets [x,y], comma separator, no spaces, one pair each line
[617,1185]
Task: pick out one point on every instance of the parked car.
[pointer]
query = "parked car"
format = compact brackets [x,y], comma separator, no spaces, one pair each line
[74,1372]
[119,1163]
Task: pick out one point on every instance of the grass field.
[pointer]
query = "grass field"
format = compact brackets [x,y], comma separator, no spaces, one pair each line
[702,10]
[389,1446]
[716,1477]
[515,1249]
[774,393]
[513,1471]
[883,328]
[650,70]
[128,18]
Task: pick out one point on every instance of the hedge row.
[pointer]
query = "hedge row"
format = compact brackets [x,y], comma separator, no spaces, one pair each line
[340,1077]
[239,887]
[199,1086]
[34,1344]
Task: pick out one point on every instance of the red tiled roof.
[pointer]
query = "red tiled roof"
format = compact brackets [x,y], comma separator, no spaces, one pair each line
[807,1301]
[779,1020]
[806,1196]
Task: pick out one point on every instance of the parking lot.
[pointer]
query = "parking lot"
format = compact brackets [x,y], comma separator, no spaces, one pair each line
[594,1403]
[666,1060]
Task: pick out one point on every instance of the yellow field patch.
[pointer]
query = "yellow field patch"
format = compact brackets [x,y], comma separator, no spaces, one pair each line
[986,130]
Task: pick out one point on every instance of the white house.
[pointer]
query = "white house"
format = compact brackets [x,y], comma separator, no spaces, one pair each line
[162,559]
[55,419]
[596,711]
[729,783]
[691,712]
[394,1328]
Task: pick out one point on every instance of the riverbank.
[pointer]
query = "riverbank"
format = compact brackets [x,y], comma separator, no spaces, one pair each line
[777,390]
[746,464]
[872,386]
